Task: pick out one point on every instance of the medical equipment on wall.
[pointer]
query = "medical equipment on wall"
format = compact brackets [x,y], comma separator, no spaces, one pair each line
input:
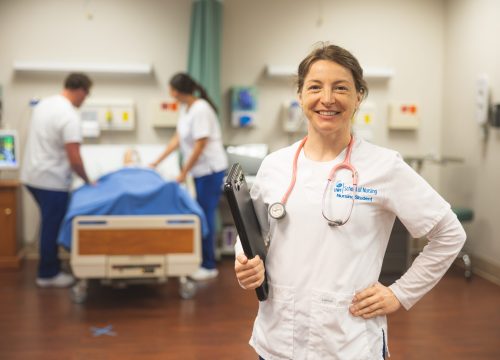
[277,210]
[1,103]
[243,106]
[364,120]
[163,113]
[482,105]
[495,119]
[482,99]
[9,150]
[403,116]
[293,117]
[107,114]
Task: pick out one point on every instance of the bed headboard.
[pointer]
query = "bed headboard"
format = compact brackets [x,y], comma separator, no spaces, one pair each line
[103,159]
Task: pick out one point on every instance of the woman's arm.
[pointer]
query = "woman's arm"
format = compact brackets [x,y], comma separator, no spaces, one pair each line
[199,145]
[445,241]
[172,145]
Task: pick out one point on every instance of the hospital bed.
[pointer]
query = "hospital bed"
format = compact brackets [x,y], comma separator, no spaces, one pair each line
[123,249]
[130,249]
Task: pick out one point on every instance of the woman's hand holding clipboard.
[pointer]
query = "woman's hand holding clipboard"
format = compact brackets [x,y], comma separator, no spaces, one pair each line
[247,224]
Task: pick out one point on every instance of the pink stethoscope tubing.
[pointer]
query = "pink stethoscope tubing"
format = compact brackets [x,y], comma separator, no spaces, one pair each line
[346,164]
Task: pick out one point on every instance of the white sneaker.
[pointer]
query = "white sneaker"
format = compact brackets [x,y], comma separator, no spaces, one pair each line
[204,274]
[60,280]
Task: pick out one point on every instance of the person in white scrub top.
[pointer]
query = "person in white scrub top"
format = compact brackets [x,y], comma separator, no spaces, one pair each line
[51,156]
[325,301]
[199,138]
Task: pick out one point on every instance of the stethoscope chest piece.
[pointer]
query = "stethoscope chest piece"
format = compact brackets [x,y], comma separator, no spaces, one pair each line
[277,210]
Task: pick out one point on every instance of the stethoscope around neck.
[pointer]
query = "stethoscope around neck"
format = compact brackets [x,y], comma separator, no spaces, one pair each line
[277,210]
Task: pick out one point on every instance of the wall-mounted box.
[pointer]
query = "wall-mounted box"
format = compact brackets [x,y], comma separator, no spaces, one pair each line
[404,116]
[495,119]
[110,114]
[163,113]
[293,118]
[364,121]
[243,106]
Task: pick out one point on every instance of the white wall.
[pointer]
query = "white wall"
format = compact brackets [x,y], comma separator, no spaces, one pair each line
[471,49]
[407,36]
[110,31]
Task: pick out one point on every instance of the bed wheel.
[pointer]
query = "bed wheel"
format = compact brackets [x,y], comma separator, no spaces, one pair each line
[78,292]
[187,288]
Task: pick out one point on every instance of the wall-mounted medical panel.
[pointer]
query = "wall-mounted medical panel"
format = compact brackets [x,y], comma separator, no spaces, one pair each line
[163,113]
[1,105]
[243,106]
[108,114]
[364,121]
[404,116]
[293,117]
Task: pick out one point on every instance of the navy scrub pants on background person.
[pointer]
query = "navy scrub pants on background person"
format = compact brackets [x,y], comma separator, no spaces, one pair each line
[53,206]
[208,193]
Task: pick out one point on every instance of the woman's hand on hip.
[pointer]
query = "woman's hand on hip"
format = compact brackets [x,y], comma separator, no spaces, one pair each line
[250,273]
[374,301]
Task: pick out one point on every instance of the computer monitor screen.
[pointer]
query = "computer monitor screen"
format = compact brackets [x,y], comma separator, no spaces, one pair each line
[9,154]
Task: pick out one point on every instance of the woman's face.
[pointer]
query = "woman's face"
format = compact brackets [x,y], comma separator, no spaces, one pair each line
[329,98]
[174,93]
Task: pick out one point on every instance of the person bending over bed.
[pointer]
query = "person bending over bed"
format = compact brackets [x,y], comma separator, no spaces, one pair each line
[199,139]
[51,155]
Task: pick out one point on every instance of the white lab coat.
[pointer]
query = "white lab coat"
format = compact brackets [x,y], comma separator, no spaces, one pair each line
[314,270]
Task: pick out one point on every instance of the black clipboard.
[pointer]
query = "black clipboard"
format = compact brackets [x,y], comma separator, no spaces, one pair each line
[247,224]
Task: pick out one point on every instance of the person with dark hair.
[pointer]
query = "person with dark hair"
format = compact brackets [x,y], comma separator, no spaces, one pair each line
[326,206]
[52,153]
[199,138]
[75,81]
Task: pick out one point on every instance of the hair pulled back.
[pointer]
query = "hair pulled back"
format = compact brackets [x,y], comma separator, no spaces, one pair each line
[185,84]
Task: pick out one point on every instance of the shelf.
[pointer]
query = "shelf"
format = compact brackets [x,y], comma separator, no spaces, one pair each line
[39,66]
[369,73]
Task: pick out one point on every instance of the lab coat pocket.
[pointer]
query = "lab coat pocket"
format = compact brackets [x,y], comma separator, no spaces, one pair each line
[274,324]
[377,337]
[334,332]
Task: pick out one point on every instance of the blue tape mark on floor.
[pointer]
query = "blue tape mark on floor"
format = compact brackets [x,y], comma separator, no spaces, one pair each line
[107,330]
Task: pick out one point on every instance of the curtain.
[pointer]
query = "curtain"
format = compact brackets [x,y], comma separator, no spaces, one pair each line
[205,46]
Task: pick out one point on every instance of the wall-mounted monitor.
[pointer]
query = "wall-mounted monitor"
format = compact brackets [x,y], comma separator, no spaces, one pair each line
[9,150]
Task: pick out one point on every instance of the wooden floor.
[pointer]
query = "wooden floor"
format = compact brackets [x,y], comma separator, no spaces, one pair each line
[457,320]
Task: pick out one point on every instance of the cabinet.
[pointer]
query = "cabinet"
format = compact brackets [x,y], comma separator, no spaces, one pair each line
[10,243]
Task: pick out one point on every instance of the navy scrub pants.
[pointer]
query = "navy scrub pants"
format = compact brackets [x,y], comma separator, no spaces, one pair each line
[53,206]
[208,193]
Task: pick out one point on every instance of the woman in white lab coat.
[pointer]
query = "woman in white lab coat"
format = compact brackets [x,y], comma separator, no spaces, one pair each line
[328,228]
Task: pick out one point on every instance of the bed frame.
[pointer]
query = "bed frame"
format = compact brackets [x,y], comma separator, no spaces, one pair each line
[121,249]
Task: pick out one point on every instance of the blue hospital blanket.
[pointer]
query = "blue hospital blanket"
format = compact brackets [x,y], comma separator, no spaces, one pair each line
[129,191]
